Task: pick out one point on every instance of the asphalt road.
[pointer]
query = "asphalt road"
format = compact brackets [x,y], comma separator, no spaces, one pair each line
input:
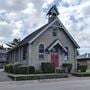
[47,85]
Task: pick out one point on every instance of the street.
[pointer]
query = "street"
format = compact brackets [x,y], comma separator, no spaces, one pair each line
[47,85]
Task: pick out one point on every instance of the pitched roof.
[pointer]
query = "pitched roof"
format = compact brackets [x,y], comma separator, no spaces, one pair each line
[53,10]
[29,37]
[55,42]
[84,56]
[68,34]
[32,35]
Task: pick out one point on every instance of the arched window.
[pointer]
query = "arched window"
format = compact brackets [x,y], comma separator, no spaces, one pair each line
[66,54]
[41,51]
[54,32]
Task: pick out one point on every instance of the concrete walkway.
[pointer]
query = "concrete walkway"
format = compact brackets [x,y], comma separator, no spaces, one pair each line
[4,76]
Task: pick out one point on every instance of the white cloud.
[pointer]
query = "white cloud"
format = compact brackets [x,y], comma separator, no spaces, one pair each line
[18,18]
[72,2]
[77,20]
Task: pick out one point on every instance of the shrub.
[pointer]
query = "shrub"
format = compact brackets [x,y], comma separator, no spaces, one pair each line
[78,68]
[15,68]
[9,68]
[82,68]
[31,69]
[38,71]
[47,67]
[59,71]
[22,69]
[19,69]
[68,66]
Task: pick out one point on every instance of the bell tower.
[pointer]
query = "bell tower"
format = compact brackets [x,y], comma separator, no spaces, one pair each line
[52,13]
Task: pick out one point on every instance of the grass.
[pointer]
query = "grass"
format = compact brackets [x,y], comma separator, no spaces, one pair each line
[88,70]
[87,73]
[82,72]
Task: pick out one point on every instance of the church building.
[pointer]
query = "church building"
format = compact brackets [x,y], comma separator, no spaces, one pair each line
[50,43]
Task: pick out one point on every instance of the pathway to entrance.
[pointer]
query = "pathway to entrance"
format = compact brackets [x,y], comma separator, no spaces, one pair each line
[3,76]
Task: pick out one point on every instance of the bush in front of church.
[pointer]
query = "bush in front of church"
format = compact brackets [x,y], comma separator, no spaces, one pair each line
[67,67]
[19,69]
[47,67]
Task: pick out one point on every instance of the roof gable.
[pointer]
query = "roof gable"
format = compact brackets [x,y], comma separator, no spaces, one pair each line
[60,25]
[68,34]
[53,11]
[33,36]
[54,43]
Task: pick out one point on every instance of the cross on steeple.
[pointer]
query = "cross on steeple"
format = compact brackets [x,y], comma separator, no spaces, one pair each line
[52,13]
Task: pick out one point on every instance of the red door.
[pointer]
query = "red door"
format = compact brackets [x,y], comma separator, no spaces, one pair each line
[54,60]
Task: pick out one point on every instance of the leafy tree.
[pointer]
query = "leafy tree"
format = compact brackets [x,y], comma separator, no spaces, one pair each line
[1,47]
[13,43]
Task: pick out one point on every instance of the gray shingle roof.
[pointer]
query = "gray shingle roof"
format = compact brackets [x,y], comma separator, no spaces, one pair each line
[29,37]
[32,35]
[35,33]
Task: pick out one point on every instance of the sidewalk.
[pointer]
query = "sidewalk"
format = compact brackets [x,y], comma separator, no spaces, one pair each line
[3,76]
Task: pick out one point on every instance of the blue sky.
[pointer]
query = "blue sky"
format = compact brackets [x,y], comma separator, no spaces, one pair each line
[18,18]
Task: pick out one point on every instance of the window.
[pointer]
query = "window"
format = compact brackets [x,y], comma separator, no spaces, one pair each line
[24,52]
[41,51]
[54,32]
[16,55]
[2,56]
[66,54]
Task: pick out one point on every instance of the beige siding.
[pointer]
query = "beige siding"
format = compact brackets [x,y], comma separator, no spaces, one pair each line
[47,39]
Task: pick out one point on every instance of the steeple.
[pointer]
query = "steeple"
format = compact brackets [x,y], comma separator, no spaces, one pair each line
[52,13]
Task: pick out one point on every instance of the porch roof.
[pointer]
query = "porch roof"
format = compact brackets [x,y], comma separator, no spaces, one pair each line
[54,43]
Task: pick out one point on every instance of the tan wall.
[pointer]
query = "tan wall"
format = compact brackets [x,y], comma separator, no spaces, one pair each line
[88,64]
[47,39]
[85,62]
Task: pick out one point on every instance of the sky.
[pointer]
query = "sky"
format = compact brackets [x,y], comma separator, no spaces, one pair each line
[19,18]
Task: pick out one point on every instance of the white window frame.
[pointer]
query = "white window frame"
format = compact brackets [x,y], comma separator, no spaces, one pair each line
[40,52]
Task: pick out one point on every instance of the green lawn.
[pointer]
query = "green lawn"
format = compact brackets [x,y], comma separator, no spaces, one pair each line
[82,73]
[88,70]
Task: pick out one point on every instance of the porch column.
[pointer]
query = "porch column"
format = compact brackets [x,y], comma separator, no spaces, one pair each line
[14,57]
[29,55]
[21,55]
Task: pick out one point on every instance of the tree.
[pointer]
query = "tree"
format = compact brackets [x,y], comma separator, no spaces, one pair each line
[1,47]
[13,43]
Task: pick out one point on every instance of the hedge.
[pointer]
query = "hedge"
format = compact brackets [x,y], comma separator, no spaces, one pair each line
[19,69]
[59,71]
[82,68]
[47,67]
[38,72]
[68,66]
[9,68]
